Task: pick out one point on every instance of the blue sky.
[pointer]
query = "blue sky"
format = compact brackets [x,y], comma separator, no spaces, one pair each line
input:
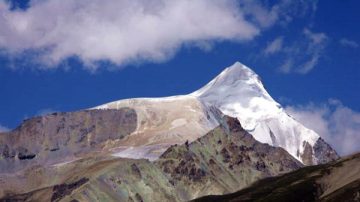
[66,56]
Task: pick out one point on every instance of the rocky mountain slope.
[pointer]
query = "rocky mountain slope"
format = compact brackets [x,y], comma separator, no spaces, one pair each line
[63,137]
[144,131]
[162,122]
[222,161]
[236,92]
[336,181]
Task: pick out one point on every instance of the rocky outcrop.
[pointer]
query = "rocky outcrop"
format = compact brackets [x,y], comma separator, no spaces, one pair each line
[307,155]
[323,152]
[227,158]
[62,190]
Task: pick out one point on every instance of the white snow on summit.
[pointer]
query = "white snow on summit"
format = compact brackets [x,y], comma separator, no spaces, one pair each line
[239,92]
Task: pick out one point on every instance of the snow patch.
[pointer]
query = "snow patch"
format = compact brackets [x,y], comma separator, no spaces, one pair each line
[178,123]
[65,162]
[150,152]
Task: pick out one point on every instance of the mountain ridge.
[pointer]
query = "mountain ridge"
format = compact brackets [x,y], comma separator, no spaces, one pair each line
[222,161]
[238,92]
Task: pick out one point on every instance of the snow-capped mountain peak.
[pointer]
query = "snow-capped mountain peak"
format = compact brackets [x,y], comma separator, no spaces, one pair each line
[236,92]
[239,92]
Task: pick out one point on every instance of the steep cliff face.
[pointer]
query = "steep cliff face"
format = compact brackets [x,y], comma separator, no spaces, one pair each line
[222,161]
[323,152]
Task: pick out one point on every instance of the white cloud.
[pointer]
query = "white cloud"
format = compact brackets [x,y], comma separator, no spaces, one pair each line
[120,31]
[127,31]
[274,46]
[337,124]
[348,43]
[3,129]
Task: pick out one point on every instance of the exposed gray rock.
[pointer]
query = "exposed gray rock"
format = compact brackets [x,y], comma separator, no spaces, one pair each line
[323,152]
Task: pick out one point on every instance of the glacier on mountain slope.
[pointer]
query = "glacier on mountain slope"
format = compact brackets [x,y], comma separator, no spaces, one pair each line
[163,122]
[236,92]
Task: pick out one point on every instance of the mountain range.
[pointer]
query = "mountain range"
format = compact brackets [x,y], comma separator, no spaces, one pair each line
[217,140]
[236,92]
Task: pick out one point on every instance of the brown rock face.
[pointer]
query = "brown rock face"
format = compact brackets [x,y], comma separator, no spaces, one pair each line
[307,155]
[321,151]
[59,135]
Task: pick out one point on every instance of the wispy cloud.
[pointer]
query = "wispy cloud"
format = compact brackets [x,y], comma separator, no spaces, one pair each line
[337,124]
[298,56]
[127,31]
[348,43]
[3,128]
[45,111]
[274,46]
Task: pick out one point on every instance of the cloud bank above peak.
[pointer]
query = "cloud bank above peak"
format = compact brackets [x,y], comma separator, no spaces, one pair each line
[124,31]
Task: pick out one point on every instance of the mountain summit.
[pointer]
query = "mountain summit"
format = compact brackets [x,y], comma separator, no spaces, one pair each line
[239,92]
[236,92]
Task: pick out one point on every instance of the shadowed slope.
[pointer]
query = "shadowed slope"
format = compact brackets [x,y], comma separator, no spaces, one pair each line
[337,181]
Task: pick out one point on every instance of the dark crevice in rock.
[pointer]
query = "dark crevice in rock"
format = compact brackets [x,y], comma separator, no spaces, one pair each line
[54,149]
[60,191]
[136,171]
[138,197]
[26,156]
